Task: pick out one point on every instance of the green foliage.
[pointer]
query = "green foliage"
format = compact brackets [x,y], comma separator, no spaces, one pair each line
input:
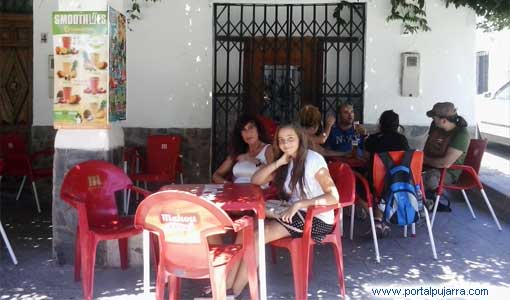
[134,12]
[496,13]
[411,13]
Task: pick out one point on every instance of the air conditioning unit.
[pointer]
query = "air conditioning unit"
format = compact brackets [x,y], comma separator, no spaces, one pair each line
[410,77]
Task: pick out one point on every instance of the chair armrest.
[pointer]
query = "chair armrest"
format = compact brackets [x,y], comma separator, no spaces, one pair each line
[307,230]
[366,188]
[468,169]
[242,223]
[312,211]
[138,190]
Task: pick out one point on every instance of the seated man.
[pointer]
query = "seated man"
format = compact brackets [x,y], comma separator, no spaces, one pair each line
[343,132]
[446,145]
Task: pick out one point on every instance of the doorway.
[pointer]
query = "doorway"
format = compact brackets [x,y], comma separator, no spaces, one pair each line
[16,64]
[273,59]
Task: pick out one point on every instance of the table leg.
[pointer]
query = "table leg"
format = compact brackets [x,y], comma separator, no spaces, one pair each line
[146,263]
[262,260]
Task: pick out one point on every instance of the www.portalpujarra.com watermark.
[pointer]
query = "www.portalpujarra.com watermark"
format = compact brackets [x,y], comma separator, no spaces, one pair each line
[468,291]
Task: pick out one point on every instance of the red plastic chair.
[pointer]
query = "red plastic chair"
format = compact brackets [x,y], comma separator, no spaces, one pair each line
[19,163]
[163,161]
[379,174]
[269,125]
[301,249]
[183,222]
[336,170]
[90,188]
[468,178]
[370,202]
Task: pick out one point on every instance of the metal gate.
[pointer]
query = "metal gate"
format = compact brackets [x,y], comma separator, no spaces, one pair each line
[273,59]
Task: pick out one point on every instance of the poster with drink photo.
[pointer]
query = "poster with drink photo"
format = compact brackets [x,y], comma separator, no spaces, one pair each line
[80,41]
[117,79]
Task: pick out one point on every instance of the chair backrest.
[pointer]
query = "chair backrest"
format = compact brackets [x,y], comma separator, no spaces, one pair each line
[379,171]
[475,153]
[183,222]
[12,143]
[269,125]
[94,183]
[13,149]
[162,154]
[345,181]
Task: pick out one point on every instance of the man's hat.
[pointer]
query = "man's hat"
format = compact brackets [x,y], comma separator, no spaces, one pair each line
[442,110]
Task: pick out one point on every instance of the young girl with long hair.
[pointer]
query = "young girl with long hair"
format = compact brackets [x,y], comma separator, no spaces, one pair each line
[302,178]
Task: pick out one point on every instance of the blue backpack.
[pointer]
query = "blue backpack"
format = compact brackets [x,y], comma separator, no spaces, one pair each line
[400,193]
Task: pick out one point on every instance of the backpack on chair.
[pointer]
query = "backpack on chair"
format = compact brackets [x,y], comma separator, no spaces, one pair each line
[400,194]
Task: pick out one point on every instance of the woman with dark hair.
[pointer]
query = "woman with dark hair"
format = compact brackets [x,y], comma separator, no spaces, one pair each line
[388,138]
[302,178]
[249,150]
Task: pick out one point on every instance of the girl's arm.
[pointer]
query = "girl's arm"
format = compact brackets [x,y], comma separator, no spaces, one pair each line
[223,170]
[329,197]
[265,174]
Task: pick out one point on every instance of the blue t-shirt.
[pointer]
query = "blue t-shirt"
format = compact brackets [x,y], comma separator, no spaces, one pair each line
[341,140]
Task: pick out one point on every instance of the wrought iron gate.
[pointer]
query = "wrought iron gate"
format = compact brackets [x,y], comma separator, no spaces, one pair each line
[272,59]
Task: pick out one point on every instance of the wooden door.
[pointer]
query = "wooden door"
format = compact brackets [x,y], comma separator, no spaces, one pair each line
[16,73]
[301,61]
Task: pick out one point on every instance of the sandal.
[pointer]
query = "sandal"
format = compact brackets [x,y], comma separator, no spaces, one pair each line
[382,230]
[444,208]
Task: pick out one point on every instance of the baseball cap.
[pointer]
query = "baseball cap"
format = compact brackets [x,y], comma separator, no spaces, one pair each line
[442,110]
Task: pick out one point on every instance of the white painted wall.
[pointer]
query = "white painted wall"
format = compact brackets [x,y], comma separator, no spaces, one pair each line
[170,64]
[447,63]
[42,104]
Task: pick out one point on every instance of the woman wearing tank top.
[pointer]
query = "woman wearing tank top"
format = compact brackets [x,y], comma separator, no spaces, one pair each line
[249,150]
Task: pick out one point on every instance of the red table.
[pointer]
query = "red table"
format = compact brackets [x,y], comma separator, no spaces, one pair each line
[353,162]
[230,197]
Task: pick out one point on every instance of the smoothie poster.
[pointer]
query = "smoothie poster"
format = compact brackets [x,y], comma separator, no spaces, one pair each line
[117,78]
[80,41]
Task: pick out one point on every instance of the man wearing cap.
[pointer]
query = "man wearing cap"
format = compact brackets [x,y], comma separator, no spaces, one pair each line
[446,145]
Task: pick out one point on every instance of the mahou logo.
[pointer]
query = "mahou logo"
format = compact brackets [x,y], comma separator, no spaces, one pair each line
[94,181]
[178,218]
[179,224]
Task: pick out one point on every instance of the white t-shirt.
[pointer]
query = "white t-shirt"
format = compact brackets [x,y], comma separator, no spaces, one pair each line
[313,163]
[244,170]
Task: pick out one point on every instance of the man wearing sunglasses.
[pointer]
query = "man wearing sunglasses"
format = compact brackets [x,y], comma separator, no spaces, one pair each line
[446,145]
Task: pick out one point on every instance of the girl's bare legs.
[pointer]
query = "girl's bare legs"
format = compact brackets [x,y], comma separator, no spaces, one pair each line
[238,276]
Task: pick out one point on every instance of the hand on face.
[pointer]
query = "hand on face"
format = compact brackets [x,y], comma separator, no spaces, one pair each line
[283,160]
